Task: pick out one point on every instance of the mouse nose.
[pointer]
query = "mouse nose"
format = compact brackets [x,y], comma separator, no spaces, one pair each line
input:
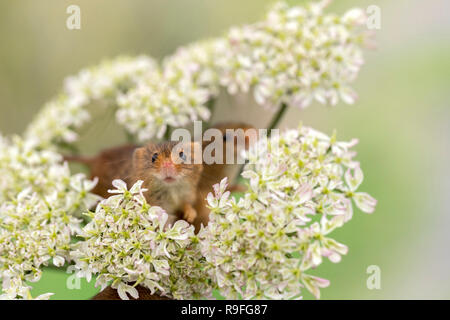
[167,164]
[168,168]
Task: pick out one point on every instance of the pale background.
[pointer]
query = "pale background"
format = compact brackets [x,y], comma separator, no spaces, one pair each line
[402,118]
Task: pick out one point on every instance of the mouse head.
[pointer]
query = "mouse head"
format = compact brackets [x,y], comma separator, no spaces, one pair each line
[236,136]
[168,162]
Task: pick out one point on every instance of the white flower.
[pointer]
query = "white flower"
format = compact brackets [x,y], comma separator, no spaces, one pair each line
[59,121]
[174,96]
[58,261]
[363,200]
[127,243]
[294,56]
[39,200]
[263,245]
[124,289]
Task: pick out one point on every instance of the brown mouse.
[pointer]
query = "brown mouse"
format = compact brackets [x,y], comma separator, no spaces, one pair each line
[214,173]
[109,164]
[114,163]
[171,181]
[170,175]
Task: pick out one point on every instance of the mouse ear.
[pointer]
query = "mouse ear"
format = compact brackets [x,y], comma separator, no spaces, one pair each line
[139,156]
[196,151]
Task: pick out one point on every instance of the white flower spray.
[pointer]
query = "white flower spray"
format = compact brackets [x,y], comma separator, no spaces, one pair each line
[174,96]
[128,243]
[296,55]
[59,121]
[300,189]
[39,201]
[292,57]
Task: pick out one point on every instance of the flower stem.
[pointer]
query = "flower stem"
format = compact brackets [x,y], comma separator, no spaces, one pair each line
[276,120]
[168,133]
[70,147]
[130,137]
[273,124]
[210,104]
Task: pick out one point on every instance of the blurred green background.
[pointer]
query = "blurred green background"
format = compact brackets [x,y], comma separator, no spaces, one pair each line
[402,118]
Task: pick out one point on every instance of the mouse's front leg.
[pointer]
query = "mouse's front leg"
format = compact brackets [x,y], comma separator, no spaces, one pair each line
[189,213]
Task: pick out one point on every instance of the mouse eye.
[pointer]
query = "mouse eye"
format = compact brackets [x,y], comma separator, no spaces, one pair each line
[182,156]
[154,157]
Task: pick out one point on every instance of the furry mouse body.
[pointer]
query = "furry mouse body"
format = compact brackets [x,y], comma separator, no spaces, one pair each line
[171,181]
[132,162]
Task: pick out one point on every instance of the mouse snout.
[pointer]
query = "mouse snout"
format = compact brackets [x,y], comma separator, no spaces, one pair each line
[168,169]
[167,164]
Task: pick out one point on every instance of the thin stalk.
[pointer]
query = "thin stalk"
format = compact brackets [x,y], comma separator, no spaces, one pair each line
[73,149]
[168,133]
[210,104]
[273,124]
[130,137]
[276,120]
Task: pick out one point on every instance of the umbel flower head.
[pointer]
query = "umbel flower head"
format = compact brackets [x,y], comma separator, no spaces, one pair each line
[296,55]
[129,243]
[174,96]
[301,187]
[60,118]
[39,201]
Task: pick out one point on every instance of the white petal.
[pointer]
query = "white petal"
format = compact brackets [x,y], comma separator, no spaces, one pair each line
[365,202]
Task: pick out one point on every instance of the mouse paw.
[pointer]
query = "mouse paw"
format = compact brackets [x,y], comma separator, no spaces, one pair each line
[189,214]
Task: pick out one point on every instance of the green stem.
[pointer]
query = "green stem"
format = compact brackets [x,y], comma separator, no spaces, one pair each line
[210,104]
[273,124]
[130,137]
[168,133]
[276,120]
[73,149]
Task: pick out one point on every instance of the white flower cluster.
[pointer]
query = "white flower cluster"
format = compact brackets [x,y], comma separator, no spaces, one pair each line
[296,55]
[174,96]
[59,120]
[302,183]
[301,187]
[128,243]
[38,203]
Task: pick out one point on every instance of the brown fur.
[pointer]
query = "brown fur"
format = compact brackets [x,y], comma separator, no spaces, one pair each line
[110,164]
[177,196]
[131,163]
[117,163]
[126,161]
[214,173]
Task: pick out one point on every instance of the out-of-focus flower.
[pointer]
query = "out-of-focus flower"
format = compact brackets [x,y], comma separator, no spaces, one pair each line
[39,201]
[60,119]
[128,242]
[263,245]
[296,55]
[174,96]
